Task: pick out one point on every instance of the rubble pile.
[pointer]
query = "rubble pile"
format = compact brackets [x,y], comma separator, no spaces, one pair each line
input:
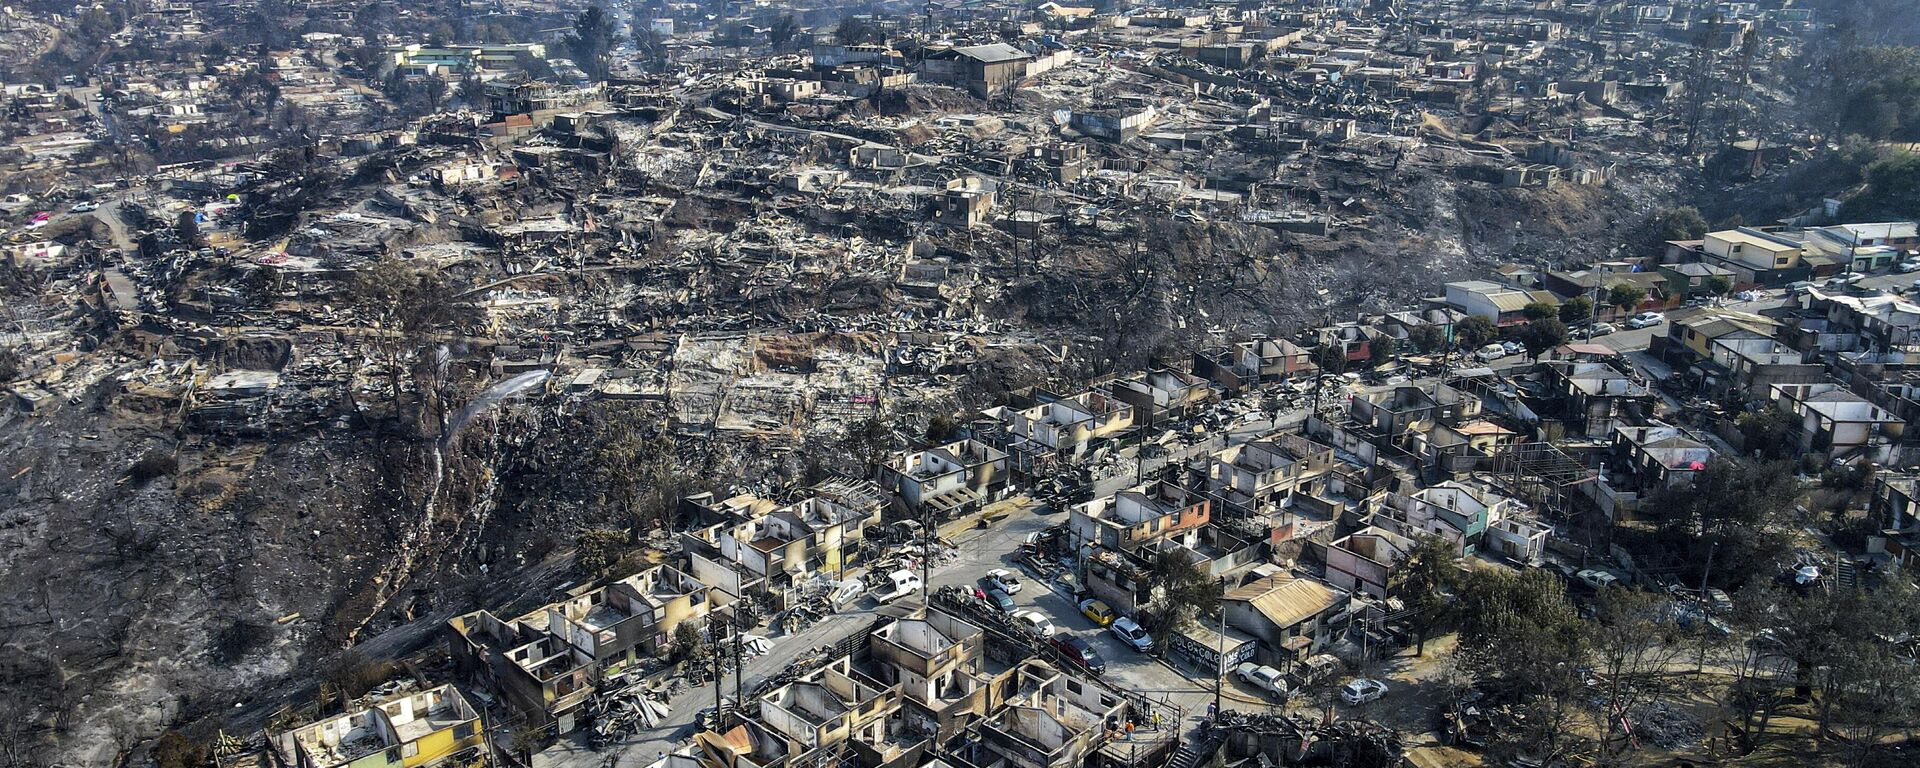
[1665,726]
[620,712]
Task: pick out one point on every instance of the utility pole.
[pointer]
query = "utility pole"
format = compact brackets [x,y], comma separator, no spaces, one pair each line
[928,536]
[1220,661]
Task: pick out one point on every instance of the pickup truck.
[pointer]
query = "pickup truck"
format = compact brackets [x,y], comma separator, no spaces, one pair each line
[903,583]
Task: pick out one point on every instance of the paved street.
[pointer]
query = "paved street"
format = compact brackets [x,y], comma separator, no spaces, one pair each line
[1416,686]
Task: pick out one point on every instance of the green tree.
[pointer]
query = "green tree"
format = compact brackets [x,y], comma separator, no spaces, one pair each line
[1522,638]
[1717,285]
[596,550]
[1380,350]
[1770,432]
[1892,191]
[940,429]
[1539,310]
[1576,310]
[1543,334]
[1430,577]
[1735,511]
[592,41]
[187,227]
[1331,357]
[175,750]
[1181,590]
[1626,296]
[1683,223]
[782,30]
[1427,338]
[1474,332]
[854,30]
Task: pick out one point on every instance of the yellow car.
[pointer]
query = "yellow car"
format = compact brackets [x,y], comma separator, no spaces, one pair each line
[1098,612]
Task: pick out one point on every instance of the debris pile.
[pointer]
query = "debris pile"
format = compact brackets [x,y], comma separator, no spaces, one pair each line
[1659,724]
[620,712]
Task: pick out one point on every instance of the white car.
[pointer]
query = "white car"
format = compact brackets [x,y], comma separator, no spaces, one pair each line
[1004,580]
[1034,622]
[1513,347]
[1596,579]
[84,207]
[1263,677]
[1907,266]
[1362,690]
[1491,352]
[1130,632]
[1646,320]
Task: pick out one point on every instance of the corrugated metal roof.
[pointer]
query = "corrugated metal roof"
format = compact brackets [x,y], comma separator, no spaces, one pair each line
[1286,600]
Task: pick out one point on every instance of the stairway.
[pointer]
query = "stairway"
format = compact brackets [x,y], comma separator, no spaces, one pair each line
[1845,573]
[1193,753]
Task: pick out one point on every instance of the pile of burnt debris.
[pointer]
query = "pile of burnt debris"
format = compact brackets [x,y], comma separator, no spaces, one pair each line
[1261,739]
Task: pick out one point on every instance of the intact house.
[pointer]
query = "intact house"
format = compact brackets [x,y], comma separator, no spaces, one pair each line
[1497,303]
[1694,278]
[1863,247]
[1139,516]
[434,728]
[1367,560]
[1259,474]
[950,480]
[545,664]
[1754,257]
[986,70]
[1838,424]
[1288,615]
[1254,362]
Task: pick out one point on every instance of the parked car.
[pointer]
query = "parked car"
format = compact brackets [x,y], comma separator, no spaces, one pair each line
[1798,287]
[1906,267]
[86,207]
[1128,631]
[1000,600]
[1081,652]
[1263,677]
[1033,622]
[1003,580]
[1646,320]
[1596,579]
[1600,329]
[1513,347]
[1491,352]
[1098,612]
[1362,690]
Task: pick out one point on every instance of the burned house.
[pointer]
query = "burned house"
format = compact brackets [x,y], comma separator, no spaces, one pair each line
[545,664]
